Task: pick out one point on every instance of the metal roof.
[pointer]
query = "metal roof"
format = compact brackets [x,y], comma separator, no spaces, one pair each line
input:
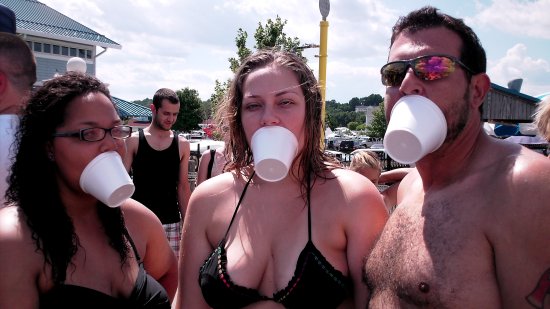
[36,18]
[131,110]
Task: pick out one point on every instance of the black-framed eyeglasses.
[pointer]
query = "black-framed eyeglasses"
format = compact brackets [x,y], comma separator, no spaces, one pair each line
[97,134]
[430,67]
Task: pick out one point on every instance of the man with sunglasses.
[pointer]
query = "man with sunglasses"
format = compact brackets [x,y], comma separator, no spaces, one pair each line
[158,159]
[471,229]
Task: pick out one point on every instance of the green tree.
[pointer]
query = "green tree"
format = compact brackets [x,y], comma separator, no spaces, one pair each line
[220,89]
[353,125]
[377,127]
[145,102]
[242,50]
[190,110]
[270,35]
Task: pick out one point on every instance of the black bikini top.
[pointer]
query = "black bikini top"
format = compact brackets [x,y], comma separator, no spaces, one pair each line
[315,284]
[147,293]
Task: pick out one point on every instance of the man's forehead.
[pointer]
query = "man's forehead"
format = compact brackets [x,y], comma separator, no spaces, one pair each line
[437,40]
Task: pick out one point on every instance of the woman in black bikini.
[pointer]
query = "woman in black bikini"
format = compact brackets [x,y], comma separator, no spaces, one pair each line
[59,246]
[298,242]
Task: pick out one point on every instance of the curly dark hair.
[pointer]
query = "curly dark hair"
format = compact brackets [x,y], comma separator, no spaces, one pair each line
[32,182]
[311,158]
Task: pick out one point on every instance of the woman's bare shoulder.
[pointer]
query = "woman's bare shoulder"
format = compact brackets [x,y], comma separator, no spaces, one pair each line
[13,224]
[16,241]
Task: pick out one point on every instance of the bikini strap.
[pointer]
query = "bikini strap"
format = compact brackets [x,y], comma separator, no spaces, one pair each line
[308,194]
[239,204]
[210,163]
[127,234]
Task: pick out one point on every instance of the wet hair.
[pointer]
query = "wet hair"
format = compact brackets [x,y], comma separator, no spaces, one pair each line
[542,118]
[17,61]
[33,185]
[165,94]
[365,159]
[472,53]
[311,158]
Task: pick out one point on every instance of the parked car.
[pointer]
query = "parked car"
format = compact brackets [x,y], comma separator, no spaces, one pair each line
[347,146]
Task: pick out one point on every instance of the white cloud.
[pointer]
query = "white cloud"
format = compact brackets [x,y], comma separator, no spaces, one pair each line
[518,64]
[186,43]
[528,18]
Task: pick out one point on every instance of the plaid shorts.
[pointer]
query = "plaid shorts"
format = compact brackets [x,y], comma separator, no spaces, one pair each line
[173,233]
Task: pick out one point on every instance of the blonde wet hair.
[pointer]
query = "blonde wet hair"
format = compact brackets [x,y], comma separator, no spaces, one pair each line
[542,118]
[365,159]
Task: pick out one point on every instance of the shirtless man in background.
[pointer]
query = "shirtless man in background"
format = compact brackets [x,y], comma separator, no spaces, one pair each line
[473,223]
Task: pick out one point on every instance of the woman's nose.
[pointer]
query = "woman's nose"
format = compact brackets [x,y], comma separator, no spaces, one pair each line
[269,117]
[109,143]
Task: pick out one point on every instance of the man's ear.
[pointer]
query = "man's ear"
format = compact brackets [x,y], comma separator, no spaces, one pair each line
[480,84]
[153,109]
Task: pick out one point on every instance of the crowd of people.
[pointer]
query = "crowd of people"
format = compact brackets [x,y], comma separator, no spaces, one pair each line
[466,227]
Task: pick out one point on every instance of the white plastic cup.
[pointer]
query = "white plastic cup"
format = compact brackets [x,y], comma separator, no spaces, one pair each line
[273,148]
[106,179]
[417,127]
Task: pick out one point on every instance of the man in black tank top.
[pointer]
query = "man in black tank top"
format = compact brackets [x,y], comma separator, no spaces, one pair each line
[158,160]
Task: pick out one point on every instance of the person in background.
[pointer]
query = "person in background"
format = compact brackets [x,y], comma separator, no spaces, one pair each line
[298,242]
[542,119]
[475,210]
[8,22]
[211,164]
[17,75]
[59,246]
[368,164]
[159,161]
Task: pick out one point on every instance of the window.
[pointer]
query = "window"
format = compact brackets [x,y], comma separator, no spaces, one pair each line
[64,50]
[56,49]
[47,48]
[73,52]
[37,47]
[81,53]
[89,54]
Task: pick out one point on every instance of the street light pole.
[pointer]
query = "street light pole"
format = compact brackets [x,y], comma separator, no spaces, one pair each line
[324,8]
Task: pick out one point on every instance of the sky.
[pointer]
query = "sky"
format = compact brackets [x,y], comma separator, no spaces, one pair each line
[186,43]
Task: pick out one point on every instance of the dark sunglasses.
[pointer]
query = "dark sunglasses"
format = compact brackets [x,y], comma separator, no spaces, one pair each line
[431,67]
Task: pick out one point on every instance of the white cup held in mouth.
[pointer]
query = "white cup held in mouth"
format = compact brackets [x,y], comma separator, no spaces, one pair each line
[273,148]
[107,180]
[417,127]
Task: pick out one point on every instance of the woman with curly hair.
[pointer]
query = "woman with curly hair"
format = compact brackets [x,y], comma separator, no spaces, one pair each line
[59,246]
[298,242]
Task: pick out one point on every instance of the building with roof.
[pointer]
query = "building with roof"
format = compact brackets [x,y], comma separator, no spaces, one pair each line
[508,105]
[55,38]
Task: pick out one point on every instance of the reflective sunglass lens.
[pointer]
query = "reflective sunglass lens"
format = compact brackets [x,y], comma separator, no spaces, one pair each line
[433,67]
[393,73]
